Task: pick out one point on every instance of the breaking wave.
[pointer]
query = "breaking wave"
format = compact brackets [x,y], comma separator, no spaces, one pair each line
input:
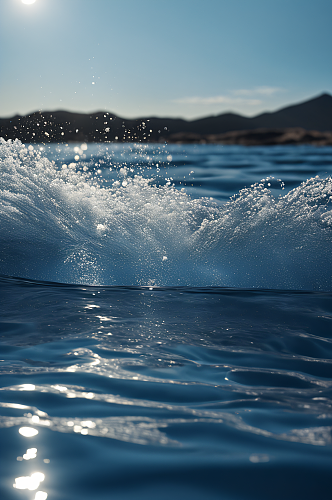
[66,225]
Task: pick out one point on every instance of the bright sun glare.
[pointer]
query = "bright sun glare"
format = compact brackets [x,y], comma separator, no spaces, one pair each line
[28,2]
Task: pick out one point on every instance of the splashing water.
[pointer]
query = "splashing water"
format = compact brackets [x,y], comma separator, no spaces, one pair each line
[64,225]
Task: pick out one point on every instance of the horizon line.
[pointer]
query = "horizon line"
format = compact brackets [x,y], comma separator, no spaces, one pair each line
[324,93]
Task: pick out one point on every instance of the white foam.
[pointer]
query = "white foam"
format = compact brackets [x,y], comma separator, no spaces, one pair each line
[62,225]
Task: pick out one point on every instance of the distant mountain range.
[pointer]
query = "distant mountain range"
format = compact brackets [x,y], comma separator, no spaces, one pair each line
[288,125]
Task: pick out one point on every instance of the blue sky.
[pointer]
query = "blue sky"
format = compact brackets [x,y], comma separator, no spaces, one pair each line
[184,58]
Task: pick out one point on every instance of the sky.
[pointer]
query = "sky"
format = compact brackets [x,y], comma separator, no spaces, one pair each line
[174,58]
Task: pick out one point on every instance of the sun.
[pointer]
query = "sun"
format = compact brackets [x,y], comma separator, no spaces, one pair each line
[28,2]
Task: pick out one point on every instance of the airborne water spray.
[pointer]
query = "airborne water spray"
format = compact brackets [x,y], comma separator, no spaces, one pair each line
[65,225]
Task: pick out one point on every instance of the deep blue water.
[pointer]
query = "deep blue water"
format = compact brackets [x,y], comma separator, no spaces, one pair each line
[165,324]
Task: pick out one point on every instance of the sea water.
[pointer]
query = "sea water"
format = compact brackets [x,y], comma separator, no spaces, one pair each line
[165,322]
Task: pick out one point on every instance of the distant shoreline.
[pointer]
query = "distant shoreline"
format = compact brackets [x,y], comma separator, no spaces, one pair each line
[309,122]
[257,137]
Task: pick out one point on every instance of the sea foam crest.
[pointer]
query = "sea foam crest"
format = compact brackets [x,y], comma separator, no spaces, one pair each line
[65,226]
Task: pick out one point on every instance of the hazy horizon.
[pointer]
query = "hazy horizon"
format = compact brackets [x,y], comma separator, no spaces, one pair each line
[157,116]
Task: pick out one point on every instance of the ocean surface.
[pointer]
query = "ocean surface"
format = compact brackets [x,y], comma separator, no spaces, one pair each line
[165,322]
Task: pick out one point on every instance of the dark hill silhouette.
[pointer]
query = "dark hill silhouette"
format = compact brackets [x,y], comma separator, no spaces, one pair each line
[64,126]
[315,114]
